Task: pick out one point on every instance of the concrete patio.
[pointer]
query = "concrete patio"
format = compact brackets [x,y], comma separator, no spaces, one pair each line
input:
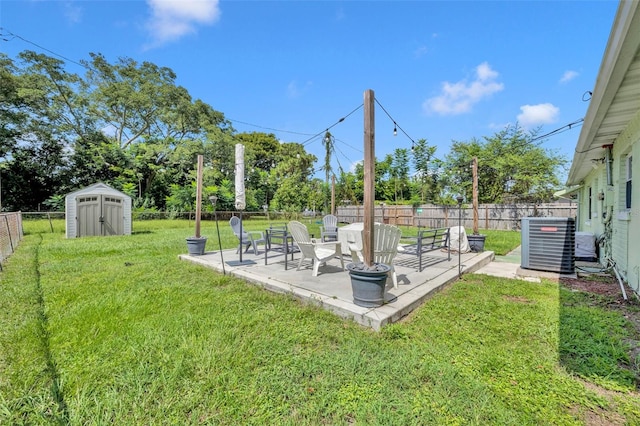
[331,289]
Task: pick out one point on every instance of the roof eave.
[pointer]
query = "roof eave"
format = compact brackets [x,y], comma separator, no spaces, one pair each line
[619,54]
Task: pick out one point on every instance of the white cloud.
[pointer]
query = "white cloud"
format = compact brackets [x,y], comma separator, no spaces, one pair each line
[499,126]
[568,76]
[72,12]
[172,19]
[420,51]
[533,115]
[354,164]
[460,97]
[295,91]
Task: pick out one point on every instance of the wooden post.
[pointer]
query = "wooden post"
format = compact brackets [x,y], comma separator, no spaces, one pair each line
[333,194]
[369,177]
[199,194]
[486,217]
[474,169]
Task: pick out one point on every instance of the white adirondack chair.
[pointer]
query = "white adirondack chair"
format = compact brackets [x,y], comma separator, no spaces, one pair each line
[329,228]
[318,252]
[385,247]
[249,238]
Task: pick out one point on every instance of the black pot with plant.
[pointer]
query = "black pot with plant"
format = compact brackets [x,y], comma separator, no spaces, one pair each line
[368,283]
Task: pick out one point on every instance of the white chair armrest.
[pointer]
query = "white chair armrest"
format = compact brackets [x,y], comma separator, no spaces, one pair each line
[327,245]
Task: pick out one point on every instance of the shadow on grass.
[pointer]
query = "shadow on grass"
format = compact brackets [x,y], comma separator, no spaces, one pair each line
[595,338]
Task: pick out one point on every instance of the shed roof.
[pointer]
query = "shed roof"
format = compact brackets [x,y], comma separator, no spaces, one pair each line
[97,188]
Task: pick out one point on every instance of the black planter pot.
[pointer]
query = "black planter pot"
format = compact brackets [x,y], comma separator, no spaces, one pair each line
[196,245]
[476,242]
[368,284]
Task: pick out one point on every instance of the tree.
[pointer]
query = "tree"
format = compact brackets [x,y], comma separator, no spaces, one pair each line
[511,167]
[292,172]
[262,154]
[421,154]
[400,172]
[13,115]
[33,132]
[134,101]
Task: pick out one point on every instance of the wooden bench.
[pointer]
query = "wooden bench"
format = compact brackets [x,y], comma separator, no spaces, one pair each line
[428,240]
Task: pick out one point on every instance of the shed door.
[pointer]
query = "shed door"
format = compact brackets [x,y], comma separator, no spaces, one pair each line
[99,215]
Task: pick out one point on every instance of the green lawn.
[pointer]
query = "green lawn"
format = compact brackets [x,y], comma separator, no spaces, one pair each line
[117,330]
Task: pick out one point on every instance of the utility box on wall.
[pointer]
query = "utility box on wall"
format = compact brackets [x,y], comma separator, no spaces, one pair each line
[548,244]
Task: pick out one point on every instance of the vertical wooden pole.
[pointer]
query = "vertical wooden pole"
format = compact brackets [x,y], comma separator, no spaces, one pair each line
[474,169]
[333,194]
[486,217]
[199,194]
[369,177]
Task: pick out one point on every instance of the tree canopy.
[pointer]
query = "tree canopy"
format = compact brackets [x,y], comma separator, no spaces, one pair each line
[129,125]
[511,168]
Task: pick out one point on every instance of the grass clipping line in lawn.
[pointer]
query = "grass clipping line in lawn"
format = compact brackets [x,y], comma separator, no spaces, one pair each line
[138,337]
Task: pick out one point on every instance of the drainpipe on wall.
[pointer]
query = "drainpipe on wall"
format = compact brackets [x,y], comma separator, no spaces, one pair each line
[608,157]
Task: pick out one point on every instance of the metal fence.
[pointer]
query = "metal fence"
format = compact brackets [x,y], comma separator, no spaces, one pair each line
[490,216]
[10,234]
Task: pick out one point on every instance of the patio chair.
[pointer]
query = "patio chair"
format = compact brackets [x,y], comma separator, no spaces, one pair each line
[329,228]
[385,247]
[249,238]
[318,252]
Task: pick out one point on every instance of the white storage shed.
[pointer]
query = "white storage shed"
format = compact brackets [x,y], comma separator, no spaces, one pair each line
[97,210]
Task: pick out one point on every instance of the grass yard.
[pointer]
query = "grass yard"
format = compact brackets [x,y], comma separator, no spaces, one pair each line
[117,330]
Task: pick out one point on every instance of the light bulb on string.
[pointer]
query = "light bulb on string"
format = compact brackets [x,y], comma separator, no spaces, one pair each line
[395,129]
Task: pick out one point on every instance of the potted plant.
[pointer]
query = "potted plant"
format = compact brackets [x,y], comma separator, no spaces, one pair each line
[196,244]
[476,241]
[368,283]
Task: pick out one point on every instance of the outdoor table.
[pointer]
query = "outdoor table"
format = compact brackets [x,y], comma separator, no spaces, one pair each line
[278,239]
[350,234]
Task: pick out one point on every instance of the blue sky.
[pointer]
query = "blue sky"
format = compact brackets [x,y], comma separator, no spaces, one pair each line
[443,70]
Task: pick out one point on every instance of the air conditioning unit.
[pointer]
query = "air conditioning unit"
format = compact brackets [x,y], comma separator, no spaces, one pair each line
[548,244]
[586,247]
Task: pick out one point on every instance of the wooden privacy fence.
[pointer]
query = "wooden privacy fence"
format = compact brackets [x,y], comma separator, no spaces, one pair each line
[490,216]
[10,233]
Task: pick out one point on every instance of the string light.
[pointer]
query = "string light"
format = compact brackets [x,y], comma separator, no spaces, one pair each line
[396,126]
[268,128]
[334,124]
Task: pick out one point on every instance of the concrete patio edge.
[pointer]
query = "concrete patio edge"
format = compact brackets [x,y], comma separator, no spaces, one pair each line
[334,297]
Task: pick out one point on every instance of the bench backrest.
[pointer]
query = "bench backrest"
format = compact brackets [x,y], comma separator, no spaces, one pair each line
[434,238]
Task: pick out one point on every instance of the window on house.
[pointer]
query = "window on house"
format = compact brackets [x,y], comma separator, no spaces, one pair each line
[590,202]
[628,183]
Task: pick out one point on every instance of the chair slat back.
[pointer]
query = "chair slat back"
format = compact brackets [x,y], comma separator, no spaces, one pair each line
[330,222]
[235,225]
[299,232]
[386,239]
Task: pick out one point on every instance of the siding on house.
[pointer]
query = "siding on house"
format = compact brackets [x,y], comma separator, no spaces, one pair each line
[625,222]
[611,130]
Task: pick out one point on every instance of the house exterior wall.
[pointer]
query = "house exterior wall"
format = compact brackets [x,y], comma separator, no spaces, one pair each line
[616,226]
[590,217]
[626,221]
